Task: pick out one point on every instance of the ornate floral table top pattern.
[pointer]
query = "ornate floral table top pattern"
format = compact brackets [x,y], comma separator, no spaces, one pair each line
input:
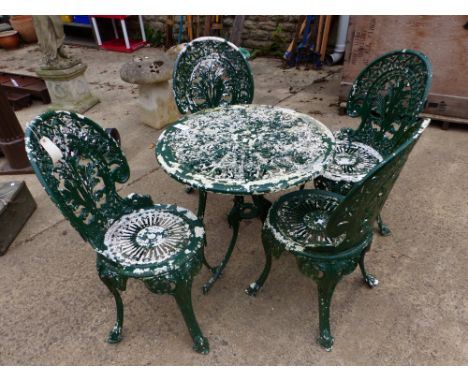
[248,149]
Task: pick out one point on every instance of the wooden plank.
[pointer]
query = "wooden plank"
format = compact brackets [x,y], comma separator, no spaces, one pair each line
[442,38]
[237,28]
[301,23]
[318,42]
[326,32]
[169,31]
[189,27]
[207,27]
[461,121]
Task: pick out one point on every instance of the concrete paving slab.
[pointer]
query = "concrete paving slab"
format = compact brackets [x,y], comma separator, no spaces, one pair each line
[55,310]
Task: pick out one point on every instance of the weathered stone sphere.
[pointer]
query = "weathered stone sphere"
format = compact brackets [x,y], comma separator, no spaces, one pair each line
[147,70]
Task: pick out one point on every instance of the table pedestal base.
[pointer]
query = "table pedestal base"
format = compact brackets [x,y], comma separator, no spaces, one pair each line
[240,211]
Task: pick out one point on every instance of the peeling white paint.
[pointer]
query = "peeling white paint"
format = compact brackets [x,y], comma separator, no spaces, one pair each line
[245,149]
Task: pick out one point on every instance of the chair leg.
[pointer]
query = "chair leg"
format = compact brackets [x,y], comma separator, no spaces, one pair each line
[326,286]
[326,275]
[368,278]
[183,296]
[115,335]
[301,187]
[383,229]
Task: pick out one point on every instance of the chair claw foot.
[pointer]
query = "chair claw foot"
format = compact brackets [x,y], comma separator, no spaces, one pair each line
[115,335]
[201,345]
[371,280]
[326,341]
[252,289]
[384,230]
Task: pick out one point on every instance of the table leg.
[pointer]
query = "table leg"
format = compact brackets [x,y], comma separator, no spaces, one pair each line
[202,195]
[201,204]
[263,205]
[234,218]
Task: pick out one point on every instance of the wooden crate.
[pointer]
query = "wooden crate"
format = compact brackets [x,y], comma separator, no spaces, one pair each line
[444,39]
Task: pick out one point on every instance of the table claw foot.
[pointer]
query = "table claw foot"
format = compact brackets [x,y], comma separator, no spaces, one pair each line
[371,280]
[207,286]
[252,289]
[201,345]
[217,273]
[115,335]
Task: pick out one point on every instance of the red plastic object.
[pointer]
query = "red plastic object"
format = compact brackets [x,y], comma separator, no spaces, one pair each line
[112,17]
[118,44]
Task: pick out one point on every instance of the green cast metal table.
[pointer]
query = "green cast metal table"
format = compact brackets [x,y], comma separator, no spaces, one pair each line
[244,150]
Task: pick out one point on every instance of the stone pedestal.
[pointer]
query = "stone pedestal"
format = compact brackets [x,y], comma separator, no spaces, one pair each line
[68,88]
[157,106]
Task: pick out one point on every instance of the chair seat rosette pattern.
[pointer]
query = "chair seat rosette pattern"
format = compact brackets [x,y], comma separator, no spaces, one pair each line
[387,96]
[79,164]
[328,233]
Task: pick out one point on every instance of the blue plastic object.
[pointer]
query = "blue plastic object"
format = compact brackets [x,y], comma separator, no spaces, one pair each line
[81,19]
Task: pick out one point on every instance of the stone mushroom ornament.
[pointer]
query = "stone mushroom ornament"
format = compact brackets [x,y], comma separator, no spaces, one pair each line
[156,101]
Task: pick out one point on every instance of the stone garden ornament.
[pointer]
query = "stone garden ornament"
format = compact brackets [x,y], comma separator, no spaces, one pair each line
[49,30]
[63,74]
[156,101]
[79,164]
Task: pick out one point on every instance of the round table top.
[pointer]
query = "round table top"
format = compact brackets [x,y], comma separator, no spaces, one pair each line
[245,149]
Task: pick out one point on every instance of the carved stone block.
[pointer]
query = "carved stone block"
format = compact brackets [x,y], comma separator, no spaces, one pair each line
[68,88]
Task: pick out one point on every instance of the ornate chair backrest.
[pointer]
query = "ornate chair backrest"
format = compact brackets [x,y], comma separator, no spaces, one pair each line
[211,72]
[78,163]
[388,95]
[357,213]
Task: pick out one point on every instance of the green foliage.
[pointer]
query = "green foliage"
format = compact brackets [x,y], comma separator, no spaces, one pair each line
[154,36]
[275,49]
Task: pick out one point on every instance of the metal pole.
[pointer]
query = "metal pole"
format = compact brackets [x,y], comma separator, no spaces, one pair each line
[116,34]
[96,31]
[124,31]
[142,28]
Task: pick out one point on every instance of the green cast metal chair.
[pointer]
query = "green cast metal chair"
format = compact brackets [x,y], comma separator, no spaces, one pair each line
[78,165]
[211,72]
[388,96]
[328,233]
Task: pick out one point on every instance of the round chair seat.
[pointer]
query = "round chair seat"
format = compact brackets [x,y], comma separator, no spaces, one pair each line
[298,220]
[351,162]
[161,237]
